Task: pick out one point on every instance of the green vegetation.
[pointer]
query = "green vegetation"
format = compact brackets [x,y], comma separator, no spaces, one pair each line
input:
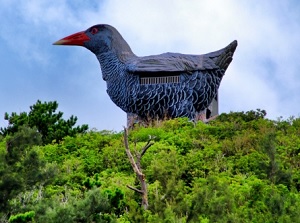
[46,120]
[240,167]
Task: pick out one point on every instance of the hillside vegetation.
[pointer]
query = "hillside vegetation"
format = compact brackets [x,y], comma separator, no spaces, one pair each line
[240,167]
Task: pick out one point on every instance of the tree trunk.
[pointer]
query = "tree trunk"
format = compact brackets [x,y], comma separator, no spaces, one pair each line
[136,166]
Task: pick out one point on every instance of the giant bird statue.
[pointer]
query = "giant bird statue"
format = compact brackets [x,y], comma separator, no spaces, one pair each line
[166,85]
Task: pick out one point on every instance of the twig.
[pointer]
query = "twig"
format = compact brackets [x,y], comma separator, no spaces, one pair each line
[147,146]
[135,189]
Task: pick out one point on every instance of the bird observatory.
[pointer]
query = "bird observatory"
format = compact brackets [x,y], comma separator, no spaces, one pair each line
[167,85]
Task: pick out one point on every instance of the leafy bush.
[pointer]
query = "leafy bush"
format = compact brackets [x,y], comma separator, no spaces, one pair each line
[20,218]
[240,167]
[46,120]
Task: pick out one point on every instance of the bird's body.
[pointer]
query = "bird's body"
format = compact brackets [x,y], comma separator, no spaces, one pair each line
[166,85]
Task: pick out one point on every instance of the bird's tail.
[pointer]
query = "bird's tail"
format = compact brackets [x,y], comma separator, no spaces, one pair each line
[223,57]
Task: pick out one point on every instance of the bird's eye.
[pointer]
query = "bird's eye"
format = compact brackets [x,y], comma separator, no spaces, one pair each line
[94,30]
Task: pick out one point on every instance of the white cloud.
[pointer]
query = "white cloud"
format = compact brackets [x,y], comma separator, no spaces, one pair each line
[263,74]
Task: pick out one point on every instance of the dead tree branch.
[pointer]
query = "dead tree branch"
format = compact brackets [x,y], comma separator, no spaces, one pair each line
[135,189]
[136,166]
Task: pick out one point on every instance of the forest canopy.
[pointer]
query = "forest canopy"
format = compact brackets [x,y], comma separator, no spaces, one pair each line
[240,167]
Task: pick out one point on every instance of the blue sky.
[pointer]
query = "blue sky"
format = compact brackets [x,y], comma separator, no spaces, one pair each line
[264,73]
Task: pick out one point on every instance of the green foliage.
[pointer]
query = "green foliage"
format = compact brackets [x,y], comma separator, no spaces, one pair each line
[49,123]
[241,167]
[243,116]
[17,144]
[22,164]
[116,200]
[22,218]
[94,206]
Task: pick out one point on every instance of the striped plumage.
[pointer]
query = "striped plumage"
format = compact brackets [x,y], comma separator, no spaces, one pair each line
[197,76]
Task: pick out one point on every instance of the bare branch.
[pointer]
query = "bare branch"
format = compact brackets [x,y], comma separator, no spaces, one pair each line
[136,166]
[147,146]
[135,189]
[129,155]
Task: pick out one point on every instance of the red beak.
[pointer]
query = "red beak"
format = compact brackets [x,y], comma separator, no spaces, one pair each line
[76,39]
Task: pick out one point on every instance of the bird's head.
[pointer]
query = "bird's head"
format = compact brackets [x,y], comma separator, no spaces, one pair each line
[98,39]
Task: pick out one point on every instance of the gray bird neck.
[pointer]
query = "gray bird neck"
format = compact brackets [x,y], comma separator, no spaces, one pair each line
[110,65]
[116,77]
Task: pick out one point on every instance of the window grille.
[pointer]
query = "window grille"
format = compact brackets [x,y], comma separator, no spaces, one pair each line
[159,80]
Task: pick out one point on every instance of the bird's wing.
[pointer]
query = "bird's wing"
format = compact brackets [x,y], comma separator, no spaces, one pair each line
[176,62]
[170,62]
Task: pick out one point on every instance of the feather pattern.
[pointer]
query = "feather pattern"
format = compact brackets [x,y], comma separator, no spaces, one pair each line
[199,76]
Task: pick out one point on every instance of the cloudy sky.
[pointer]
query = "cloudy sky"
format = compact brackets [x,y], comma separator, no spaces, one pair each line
[264,73]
